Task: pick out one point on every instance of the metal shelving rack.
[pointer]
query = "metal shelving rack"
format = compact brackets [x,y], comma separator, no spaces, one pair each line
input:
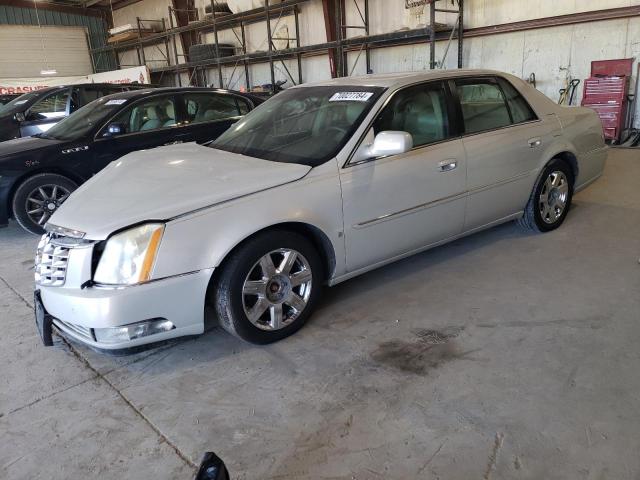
[341,44]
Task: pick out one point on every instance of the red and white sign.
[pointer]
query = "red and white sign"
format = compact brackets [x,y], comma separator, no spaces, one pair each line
[9,86]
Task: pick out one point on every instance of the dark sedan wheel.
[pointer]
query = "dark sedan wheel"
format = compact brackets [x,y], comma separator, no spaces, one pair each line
[268,287]
[551,198]
[38,197]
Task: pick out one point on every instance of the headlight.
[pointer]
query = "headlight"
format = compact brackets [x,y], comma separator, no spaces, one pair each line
[129,257]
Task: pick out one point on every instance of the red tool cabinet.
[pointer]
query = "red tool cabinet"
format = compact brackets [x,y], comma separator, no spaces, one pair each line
[606,92]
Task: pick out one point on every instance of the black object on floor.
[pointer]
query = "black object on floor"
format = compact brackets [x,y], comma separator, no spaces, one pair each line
[212,468]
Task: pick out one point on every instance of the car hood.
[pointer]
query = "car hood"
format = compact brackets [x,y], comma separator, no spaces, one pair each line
[165,182]
[26,144]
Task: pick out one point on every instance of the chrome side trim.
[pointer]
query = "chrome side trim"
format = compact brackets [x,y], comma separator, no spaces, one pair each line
[440,201]
[586,183]
[501,182]
[355,273]
[410,210]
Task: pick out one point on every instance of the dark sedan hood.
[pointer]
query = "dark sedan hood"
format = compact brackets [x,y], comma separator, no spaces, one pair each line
[9,128]
[26,144]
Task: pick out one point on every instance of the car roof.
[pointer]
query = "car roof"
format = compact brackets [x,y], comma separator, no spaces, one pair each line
[387,80]
[148,91]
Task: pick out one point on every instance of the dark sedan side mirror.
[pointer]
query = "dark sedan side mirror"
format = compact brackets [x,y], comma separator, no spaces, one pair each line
[114,129]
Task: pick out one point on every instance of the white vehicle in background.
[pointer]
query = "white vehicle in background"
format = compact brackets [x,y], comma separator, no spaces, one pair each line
[319,184]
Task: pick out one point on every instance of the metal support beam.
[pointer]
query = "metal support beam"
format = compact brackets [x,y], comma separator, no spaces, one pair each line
[270,42]
[330,26]
[432,35]
[460,33]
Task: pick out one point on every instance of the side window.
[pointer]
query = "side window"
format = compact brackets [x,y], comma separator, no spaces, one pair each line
[151,114]
[208,107]
[90,94]
[483,105]
[243,105]
[53,106]
[520,109]
[420,110]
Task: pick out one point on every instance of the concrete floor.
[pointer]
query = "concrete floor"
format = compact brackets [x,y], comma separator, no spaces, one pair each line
[502,355]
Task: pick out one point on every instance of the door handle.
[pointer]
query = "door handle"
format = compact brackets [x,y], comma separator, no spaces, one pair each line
[534,142]
[447,165]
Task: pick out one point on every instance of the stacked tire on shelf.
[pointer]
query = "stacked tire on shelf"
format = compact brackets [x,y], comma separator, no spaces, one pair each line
[207,51]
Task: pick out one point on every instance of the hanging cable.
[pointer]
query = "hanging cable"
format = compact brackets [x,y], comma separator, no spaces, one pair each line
[44,50]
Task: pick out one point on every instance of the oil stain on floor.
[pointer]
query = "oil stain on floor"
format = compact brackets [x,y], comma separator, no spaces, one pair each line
[427,351]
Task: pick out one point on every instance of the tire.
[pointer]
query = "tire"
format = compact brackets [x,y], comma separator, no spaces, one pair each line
[218,7]
[234,305]
[31,191]
[207,51]
[549,204]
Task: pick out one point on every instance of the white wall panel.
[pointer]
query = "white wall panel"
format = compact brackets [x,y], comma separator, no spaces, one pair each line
[65,50]
[543,52]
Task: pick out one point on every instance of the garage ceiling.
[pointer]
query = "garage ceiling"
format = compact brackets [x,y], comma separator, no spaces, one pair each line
[96,4]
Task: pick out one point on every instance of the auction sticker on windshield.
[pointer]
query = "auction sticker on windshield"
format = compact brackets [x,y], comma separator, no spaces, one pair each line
[118,101]
[351,97]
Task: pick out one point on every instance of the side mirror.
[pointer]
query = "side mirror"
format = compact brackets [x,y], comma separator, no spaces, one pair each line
[386,144]
[20,117]
[114,129]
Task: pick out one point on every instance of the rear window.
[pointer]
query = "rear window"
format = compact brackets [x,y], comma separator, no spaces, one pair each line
[520,109]
[483,105]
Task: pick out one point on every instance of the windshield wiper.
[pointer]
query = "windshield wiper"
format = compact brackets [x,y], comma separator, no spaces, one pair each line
[45,136]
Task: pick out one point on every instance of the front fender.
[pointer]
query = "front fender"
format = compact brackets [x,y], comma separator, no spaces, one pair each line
[7,184]
[203,239]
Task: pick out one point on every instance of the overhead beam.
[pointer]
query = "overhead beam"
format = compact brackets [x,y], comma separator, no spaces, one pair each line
[557,21]
[79,10]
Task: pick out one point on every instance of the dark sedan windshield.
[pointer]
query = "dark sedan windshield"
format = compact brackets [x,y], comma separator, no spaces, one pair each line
[18,103]
[306,125]
[81,123]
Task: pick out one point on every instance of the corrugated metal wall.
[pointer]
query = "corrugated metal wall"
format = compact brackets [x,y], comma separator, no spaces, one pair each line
[96,27]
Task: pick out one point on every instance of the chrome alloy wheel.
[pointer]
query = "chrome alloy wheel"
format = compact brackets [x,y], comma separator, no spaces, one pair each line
[553,197]
[277,289]
[43,201]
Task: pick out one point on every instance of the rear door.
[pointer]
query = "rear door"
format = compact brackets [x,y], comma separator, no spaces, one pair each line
[147,123]
[46,112]
[503,139]
[206,115]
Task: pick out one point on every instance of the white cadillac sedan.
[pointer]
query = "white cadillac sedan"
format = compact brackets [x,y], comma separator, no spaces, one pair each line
[319,184]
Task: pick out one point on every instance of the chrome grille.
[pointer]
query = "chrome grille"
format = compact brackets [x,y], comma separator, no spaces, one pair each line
[72,328]
[51,263]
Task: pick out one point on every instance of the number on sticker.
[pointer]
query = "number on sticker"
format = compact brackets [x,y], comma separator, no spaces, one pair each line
[351,97]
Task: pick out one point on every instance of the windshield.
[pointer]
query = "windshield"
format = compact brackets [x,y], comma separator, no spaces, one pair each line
[306,125]
[18,103]
[85,119]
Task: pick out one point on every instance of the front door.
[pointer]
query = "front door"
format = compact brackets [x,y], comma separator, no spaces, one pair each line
[145,124]
[399,204]
[45,113]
